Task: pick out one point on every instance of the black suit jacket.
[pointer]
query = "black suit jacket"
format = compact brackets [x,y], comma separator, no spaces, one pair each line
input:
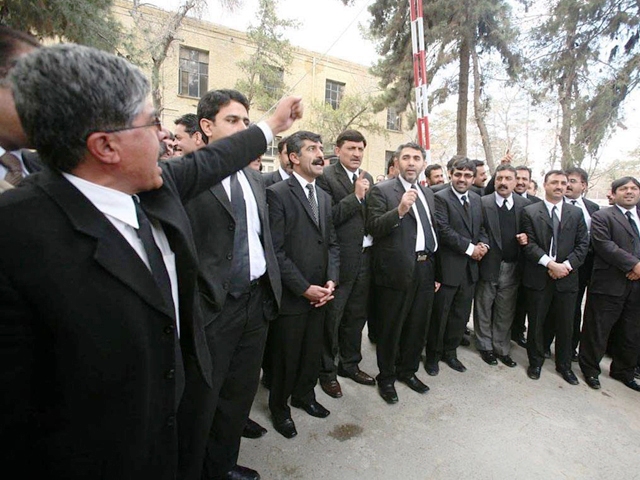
[394,238]
[270,178]
[440,187]
[490,263]
[532,198]
[613,242]
[213,227]
[88,354]
[307,254]
[348,215]
[573,245]
[456,233]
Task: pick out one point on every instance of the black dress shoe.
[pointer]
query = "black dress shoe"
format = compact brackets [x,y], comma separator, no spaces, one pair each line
[286,428]
[636,372]
[242,473]
[593,382]
[432,369]
[465,342]
[456,364]
[632,384]
[507,360]
[253,430]
[388,393]
[534,372]
[331,388]
[489,357]
[414,384]
[313,408]
[357,376]
[569,376]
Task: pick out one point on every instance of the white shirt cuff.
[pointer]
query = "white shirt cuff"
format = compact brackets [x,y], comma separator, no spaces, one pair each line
[544,260]
[567,264]
[268,134]
[470,249]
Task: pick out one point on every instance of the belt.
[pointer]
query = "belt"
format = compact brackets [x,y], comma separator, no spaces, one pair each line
[257,281]
[423,256]
[365,249]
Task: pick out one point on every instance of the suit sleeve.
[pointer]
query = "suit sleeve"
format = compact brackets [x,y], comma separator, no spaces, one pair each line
[581,246]
[380,222]
[447,235]
[17,358]
[606,248]
[203,168]
[532,250]
[333,268]
[343,210]
[291,276]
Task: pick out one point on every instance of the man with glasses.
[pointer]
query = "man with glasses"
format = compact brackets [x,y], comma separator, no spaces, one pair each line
[104,359]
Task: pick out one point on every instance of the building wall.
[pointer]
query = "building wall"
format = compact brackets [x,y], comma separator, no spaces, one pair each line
[306,76]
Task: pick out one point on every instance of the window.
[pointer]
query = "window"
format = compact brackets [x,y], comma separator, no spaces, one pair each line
[193,75]
[333,93]
[394,121]
[273,81]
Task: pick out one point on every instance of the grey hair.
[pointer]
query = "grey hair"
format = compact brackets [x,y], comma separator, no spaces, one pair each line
[66,92]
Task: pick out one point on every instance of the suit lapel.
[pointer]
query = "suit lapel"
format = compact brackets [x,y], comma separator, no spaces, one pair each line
[458,206]
[543,214]
[112,251]
[344,180]
[300,194]
[220,193]
[624,221]
[494,222]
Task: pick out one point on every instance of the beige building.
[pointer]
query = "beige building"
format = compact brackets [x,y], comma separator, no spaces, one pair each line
[205,56]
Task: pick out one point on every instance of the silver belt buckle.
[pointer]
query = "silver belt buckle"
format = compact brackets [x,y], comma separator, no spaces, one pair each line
[422,257]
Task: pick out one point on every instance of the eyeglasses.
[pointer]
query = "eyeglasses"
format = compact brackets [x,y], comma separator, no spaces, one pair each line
[155,123]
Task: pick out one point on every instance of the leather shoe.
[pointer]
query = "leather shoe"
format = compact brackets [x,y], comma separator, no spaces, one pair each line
[313,408]
[286,428]
[534,372]
[569,376]
[242,473]
[520,340]
[632,384]
[358,376]
[507,360]
[456,364]
[253,430]
[432,369]
[489,357]
[465,342]
[414,384]
[388,393]
[636,372]
[331,388]
[593,382]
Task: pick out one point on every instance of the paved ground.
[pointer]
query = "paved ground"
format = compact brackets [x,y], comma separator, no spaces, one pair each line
[486,423]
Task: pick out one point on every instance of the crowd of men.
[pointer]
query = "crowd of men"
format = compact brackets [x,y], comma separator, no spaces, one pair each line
[142,298]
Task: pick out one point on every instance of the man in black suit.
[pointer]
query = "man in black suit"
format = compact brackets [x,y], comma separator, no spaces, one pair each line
[558,242]
[613,298]
[188,134]
[239,284]
[400,219]
[500,269]
[576,188]
[104,359]
[481,177]
[347,184]
[463,244]
[307,250]
[284,169]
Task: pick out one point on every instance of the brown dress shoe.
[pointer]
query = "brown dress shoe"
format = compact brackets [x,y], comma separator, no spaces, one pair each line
[358,376]
[331,388]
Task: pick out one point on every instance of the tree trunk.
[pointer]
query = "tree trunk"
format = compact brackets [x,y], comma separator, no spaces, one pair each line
[479,112]
[463,98]
[156,92]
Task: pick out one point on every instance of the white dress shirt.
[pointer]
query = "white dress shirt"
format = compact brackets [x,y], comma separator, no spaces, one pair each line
[120,210]
[585,213]
[303,183]
[500,200]
[283,174]
[257,260]
[471,247]
[634,214]
[420,241]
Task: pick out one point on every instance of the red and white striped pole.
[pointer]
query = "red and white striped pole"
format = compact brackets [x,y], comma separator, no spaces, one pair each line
[420,76]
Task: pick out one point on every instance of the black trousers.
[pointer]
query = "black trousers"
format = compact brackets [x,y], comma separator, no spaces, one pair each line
[519,328]
[295,350]
[451,311]
[236,339]
[404,320]
[602,313]
[346,316]
[539,304]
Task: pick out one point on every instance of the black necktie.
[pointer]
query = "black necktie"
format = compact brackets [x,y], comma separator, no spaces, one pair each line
[574,202]
[504,205]
[429,242]
[154,255]
[556,231]
[312,202]
[14,168]
[633,223]
[240,274]
[354,178]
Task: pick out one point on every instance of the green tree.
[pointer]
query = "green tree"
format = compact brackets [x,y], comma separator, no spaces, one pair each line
[586,58]
[455,32]
[265,68]
[89,22]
